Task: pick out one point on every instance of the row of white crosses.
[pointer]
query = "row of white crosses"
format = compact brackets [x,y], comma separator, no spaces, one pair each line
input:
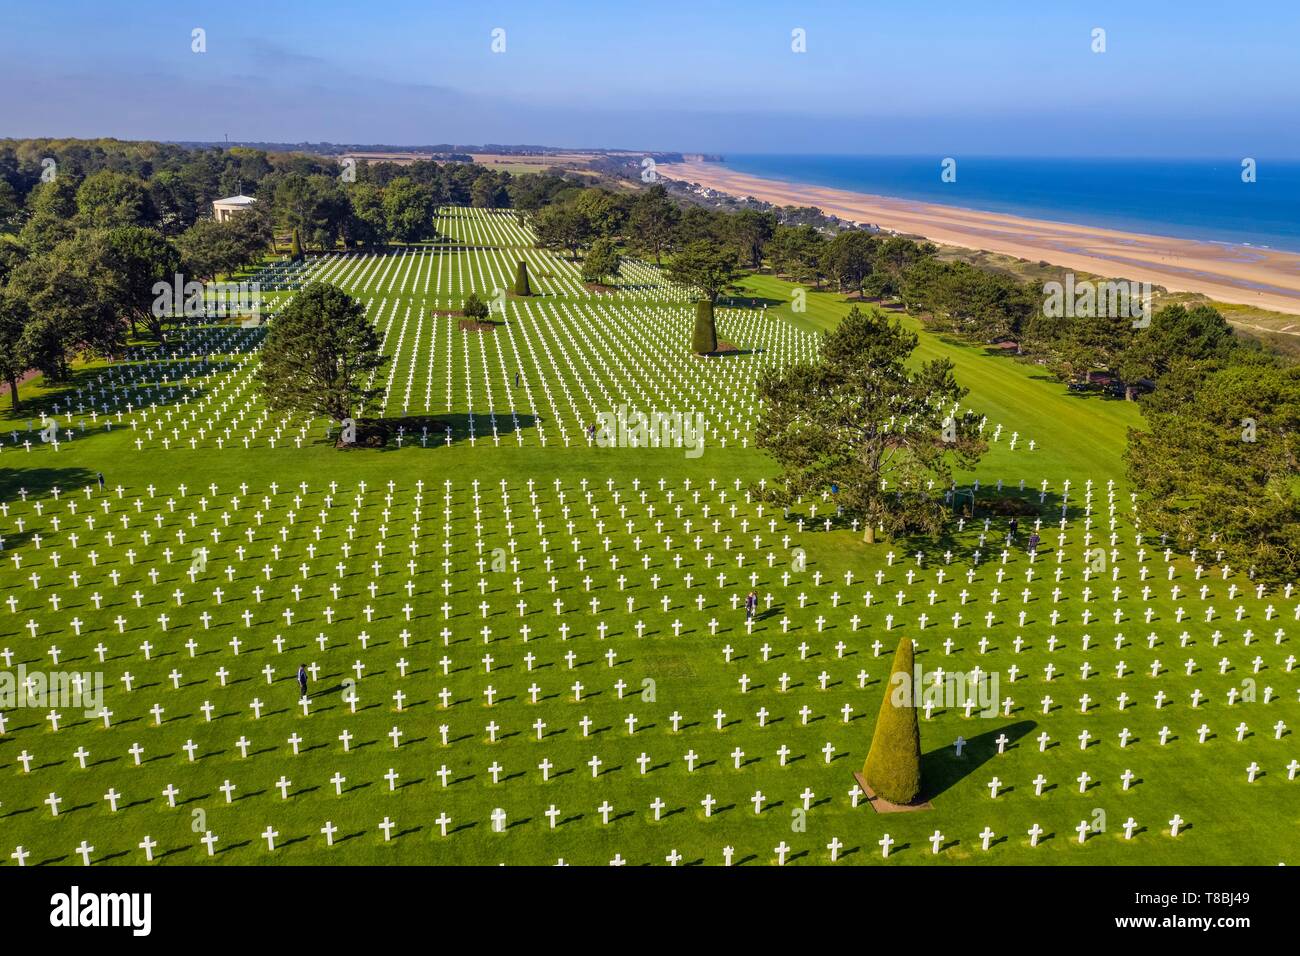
[937,841]
[156,712]
[576,691]
[445,273]
[288,275]
[634,354]
[472,226]
[230,413]
[550,272]
[146,382]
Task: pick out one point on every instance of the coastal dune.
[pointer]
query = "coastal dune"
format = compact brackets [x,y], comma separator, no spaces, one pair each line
[1240,274]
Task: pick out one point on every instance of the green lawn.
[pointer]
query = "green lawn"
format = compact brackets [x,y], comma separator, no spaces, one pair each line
[576,354]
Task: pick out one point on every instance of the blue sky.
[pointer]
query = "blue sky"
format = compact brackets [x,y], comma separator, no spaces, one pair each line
[948,76]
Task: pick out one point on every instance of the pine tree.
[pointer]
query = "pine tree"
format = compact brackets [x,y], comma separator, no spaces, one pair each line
[320,354]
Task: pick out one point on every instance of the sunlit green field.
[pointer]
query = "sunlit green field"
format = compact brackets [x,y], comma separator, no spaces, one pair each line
[526,648]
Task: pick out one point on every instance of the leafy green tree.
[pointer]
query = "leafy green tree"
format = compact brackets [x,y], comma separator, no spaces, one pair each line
[367,221]
[490,191]
[314,205]
[862,419]
[562,227]
[66,315]
[709,268]
[1075,345]
[798,251]
[125,263]
[893,767]
[475,308]
[652,221]
[960,298]
[603,210]
[175,201]
[9,205]
[12,254]
[848,258]
[1219,471]
[13,360]
[52,210]
[210,248]
[56,198]
[255,229]
[319,355]
[697,224]
[897,253]
[751,231]
[1176,334]
[602,261]
[107,198]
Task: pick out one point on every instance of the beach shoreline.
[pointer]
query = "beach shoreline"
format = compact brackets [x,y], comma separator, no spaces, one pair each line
[1239,274]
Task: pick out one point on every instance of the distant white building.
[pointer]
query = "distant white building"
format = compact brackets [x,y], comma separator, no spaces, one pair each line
[223,209]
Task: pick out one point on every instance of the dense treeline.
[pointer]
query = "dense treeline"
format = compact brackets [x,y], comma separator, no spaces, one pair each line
[89,227]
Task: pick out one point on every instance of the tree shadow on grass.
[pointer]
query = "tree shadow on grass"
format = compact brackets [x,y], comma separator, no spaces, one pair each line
[433,429]
[39,481]
[941,768]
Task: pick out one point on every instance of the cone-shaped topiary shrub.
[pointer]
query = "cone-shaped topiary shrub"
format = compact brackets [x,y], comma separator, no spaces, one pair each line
[705,338]
[893,765]
[521,279]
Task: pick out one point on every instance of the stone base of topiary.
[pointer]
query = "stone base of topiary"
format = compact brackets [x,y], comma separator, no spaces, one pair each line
[881,805]
[724,348]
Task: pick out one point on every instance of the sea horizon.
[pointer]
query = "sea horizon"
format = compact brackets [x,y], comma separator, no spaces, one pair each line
[1197,199]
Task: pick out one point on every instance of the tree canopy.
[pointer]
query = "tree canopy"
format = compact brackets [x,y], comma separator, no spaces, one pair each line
[862,420]
[707,267]
[319,355]
[602,261]
[1219,470]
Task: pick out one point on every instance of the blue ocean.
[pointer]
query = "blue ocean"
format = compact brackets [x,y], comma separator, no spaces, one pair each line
[1190,199]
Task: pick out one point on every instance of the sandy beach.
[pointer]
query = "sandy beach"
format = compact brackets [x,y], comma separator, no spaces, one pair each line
[1228,273]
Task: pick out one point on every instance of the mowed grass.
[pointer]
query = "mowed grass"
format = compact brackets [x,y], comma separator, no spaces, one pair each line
[1079,433]
[651,676]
